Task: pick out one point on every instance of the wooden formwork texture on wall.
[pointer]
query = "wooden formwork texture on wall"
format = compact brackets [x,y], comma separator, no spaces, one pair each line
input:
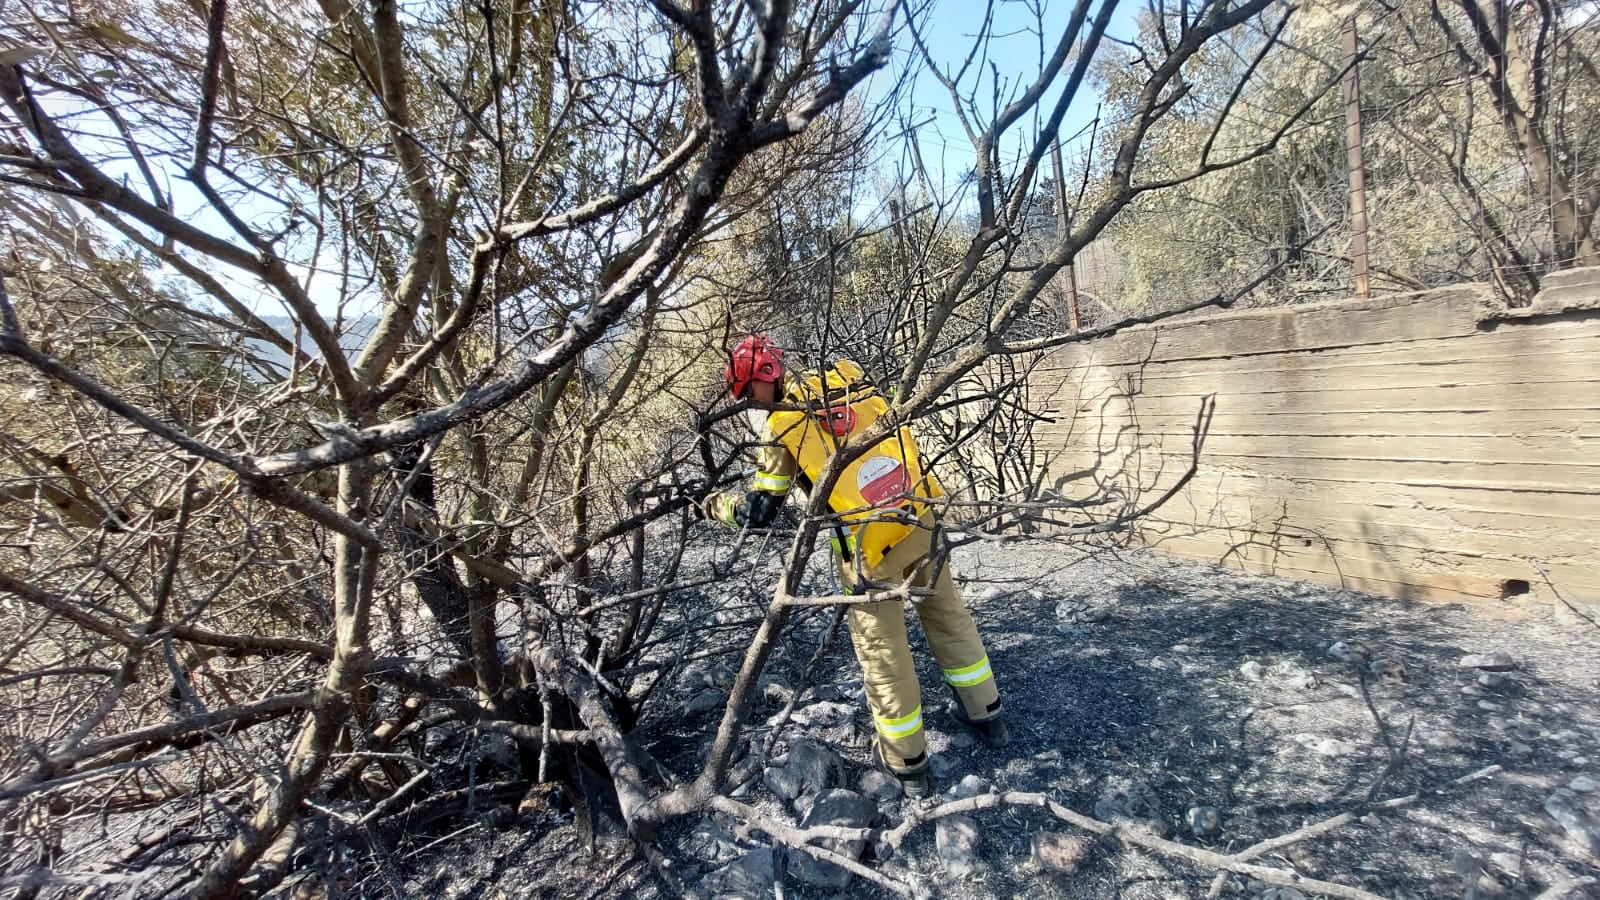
[1429,445]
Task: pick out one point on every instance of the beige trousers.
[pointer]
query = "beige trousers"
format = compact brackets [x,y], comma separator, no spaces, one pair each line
[878,631]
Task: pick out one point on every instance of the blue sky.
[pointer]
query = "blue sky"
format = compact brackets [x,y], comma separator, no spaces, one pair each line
[1013,46]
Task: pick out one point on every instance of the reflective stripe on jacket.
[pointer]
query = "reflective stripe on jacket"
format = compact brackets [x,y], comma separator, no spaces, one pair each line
[775,471]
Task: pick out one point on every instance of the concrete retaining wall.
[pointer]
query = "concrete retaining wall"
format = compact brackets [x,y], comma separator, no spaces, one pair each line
[1429,445]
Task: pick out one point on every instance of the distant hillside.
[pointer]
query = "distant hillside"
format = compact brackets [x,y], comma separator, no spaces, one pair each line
[352,338]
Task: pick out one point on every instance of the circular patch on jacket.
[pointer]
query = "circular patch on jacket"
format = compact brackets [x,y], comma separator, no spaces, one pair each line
[881,479]
[839,420]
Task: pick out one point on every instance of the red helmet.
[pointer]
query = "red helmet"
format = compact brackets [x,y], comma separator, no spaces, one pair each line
[755,358]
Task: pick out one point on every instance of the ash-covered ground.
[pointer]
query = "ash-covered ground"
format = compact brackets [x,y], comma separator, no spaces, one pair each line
[1212,707]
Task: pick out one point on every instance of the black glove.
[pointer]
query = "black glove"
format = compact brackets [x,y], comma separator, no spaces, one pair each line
[758,509]
[695,491]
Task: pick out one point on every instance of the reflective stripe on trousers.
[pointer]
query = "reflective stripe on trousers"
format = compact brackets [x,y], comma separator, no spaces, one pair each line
[967,676]
[902,727]
[878,632]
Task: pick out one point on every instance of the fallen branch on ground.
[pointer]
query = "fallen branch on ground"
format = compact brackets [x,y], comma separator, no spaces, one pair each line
[1317,829]
[1235,863]
[799,839]
[1396,754]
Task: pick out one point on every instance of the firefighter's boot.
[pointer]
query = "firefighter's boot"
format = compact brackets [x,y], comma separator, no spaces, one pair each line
[916,784]
[991,731]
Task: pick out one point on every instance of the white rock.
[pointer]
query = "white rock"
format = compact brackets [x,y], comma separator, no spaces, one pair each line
[807,768]
[1389,670]
[709,842]
[879,786]
[845,809]
[1335,747]
[1325,746]
[845,734]
[1094,615]
[1133,802]
[1509,863]
[1203,821]
[1498,661]
[705,702]
[1438,740]
[1348,651]
[752,875]
[1293,676]
[1567,809]
[957,839]
[693,675]
[1057,851]
[1252,670]
[969,786]
[826,714]
[721,675]
[1466,865]
[831,692]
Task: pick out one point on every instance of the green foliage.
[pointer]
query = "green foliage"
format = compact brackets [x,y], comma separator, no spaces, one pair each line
[1448,197]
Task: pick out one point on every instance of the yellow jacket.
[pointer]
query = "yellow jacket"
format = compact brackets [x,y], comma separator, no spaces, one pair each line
[876,500]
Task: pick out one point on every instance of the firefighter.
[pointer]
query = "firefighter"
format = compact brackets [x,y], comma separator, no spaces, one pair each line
[883,527]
